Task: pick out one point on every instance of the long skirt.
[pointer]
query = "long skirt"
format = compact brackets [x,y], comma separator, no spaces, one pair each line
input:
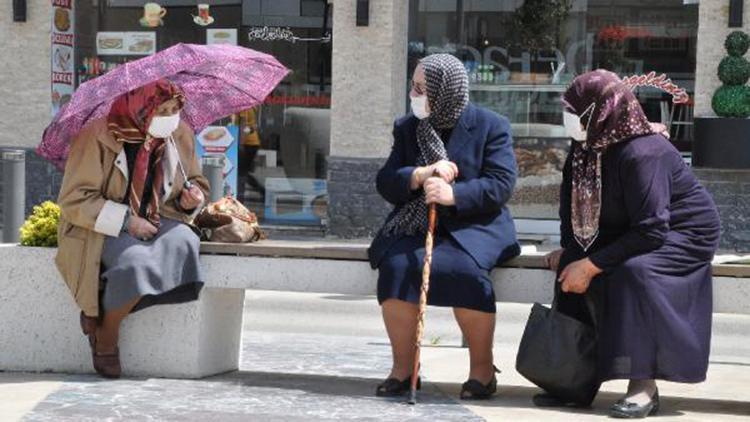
[163,270]
[456,280]
[654,316]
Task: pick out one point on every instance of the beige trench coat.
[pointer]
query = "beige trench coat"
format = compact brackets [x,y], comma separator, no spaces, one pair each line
[91,196]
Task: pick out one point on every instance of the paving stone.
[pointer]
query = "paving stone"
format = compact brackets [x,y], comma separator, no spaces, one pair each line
[282,377]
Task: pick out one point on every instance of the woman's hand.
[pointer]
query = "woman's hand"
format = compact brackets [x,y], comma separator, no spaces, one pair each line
[438,191]
[191,198]
[577,276]
[660,128]
[140,228]
[552,259]
[447,170]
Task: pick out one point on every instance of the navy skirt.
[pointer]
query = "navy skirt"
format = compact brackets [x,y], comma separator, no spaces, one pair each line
[456,280]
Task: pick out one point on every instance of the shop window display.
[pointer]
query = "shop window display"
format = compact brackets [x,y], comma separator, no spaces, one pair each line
[276,153]
[522,54]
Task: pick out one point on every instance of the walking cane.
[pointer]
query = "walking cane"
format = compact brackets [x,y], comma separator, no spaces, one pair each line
[432,218]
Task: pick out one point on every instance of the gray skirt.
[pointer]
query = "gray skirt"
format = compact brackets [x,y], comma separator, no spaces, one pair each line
[163,270]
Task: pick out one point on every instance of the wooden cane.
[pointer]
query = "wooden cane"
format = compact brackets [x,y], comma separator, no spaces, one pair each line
[429,241]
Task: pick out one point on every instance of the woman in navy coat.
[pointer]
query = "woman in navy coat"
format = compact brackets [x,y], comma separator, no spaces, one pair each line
[639,231]
[459,156]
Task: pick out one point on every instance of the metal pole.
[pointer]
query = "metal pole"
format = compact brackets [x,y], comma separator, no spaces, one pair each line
[14,193]
[213,170]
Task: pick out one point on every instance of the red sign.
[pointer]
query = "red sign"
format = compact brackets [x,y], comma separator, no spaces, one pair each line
[62,78]
[306,100]
[66,4]
[679,95]
[64,39]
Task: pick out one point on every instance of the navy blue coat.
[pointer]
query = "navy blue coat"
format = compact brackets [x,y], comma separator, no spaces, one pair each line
[481,147]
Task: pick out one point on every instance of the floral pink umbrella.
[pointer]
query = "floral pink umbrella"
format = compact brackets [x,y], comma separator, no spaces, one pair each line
[218,80]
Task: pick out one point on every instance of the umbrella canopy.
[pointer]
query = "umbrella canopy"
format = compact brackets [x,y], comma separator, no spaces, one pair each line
[217,80]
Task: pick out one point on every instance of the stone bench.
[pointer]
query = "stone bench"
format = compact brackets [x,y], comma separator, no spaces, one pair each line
[39,321]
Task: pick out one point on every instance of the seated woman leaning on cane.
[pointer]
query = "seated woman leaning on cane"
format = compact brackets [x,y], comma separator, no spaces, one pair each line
[639,230]
[124,240]
[459,156]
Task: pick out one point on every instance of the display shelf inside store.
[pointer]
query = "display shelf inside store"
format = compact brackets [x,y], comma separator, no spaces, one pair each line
[516,87]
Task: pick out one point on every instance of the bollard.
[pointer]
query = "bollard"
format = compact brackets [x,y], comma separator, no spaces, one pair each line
[13,163]
[213,170]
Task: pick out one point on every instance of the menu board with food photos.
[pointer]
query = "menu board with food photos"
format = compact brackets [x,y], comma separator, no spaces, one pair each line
[221,140]
[63,58]
[125,43]
[221,36]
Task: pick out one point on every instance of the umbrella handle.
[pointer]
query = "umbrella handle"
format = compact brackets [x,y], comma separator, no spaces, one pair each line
[428,247]
[187,185]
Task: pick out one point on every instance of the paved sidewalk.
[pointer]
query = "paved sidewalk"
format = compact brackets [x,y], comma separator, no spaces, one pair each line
[314,357]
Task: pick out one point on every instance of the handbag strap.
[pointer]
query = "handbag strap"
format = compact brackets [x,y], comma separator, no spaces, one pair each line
[588,300]
[591,307]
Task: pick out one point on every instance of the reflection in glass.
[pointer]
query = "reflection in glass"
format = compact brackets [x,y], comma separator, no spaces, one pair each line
[522,54]
[283,144]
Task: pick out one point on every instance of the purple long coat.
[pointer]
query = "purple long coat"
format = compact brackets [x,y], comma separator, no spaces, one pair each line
[659,230]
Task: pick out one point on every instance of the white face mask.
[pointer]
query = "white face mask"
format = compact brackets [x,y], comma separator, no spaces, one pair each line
[419,107]
[163,126]
[573,126]
[572,123]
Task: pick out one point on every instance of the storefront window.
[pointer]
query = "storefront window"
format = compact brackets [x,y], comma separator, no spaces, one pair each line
[522,54]
[278,152]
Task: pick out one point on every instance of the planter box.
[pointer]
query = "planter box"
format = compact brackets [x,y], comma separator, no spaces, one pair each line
[722,143]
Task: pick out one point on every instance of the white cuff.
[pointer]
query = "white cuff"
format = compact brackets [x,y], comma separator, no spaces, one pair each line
[111,218]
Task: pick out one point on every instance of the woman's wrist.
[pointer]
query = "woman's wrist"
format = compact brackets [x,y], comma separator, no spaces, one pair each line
[417,178]
[591,268]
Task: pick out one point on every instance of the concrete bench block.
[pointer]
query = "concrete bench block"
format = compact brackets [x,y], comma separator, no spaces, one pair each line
[291,274]
[522,285]
[39,329]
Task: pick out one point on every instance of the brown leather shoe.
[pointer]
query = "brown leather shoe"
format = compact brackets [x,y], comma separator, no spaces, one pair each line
[105,364]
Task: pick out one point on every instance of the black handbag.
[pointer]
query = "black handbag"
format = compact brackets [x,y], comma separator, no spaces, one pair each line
[558,353]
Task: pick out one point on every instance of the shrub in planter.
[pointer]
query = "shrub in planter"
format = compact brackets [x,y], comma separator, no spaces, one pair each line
[40,229]
[737,43]
[733,99]
[722,142]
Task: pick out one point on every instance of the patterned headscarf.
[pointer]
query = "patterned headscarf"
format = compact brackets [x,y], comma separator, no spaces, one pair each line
[613,115]
[128,121]
[448,96]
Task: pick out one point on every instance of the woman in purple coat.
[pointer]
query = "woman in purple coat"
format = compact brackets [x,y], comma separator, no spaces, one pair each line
[640,231]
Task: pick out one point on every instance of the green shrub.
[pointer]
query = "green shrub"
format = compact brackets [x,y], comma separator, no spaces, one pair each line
[40,229]
[737,43]
[733,98]
[734,70]
[732,101]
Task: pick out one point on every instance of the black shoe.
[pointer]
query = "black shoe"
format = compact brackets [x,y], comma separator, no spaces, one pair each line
[392,387]
[475,390]
[626,410]
[548,400]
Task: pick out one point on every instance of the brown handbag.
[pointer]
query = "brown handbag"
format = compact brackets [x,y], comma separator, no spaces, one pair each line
[227,220]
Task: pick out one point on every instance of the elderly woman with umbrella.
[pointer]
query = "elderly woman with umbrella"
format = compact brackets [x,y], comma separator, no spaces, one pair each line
[458,157]
[132,182]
